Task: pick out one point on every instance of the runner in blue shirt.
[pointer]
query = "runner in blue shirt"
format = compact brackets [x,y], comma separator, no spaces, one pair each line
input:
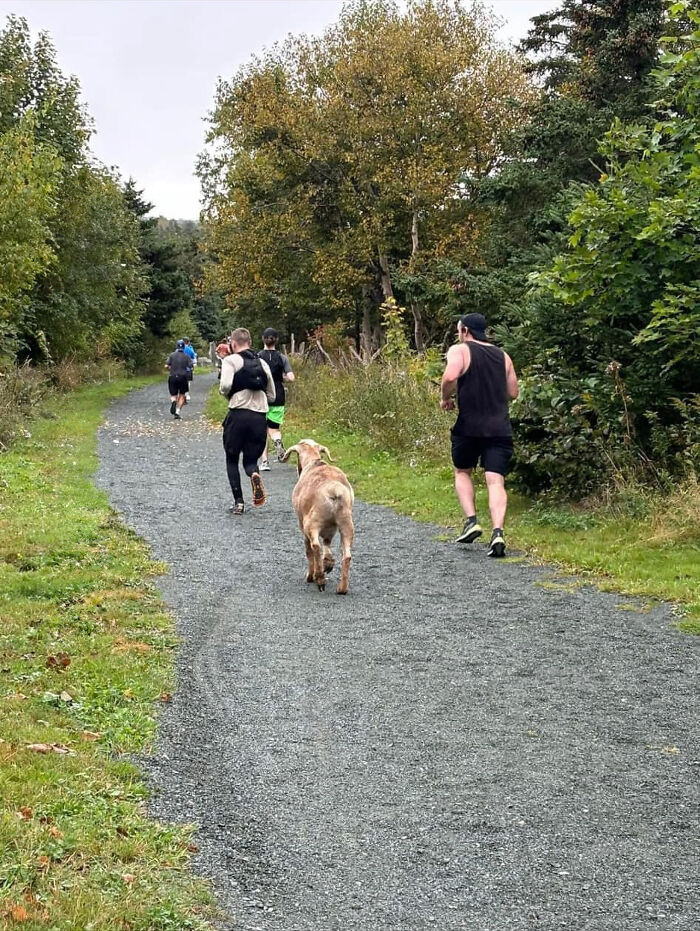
[193,356]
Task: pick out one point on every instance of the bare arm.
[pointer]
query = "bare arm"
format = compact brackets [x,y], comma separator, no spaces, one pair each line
[454,369]
[511,379]
[287,374]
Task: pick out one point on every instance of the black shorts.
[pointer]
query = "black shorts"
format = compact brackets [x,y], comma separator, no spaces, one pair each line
[177,384]
[495,452]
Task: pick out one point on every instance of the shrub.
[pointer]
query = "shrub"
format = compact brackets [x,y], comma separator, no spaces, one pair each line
[21,389]
[386,402]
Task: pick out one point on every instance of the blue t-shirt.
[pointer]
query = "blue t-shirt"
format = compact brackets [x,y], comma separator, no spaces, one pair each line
[190,352]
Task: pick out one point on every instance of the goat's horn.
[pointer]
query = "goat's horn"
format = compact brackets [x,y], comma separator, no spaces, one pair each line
[288,453]
[324,449]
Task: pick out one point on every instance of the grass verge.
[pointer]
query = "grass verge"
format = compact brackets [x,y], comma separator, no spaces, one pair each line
[619,553]
[86,654]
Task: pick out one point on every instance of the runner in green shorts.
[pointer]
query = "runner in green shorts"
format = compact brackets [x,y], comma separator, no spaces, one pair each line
[281,372]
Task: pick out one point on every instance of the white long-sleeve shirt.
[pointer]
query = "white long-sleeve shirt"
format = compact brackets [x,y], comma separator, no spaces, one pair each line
[245,398]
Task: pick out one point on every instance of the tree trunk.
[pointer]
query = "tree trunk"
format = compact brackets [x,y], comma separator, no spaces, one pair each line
[414,235]
[418,331]
[385,276]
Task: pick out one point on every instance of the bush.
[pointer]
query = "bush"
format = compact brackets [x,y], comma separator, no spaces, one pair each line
[22,389]
[386,402]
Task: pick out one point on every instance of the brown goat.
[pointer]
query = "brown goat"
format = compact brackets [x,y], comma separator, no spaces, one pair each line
[323,499]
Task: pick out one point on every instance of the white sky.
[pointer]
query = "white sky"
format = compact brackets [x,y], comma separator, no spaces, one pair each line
[148,71]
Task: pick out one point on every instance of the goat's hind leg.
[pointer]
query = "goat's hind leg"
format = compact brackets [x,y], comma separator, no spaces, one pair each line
[328,557]
[347,535]
[316,572]
[309,559]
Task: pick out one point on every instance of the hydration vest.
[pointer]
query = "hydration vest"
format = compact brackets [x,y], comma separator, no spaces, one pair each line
[251,377]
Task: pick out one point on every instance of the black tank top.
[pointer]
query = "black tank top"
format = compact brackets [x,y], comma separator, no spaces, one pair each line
[274,359]
[482,394]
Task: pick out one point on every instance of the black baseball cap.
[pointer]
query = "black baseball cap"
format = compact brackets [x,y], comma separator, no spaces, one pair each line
[476,324]
[270,333]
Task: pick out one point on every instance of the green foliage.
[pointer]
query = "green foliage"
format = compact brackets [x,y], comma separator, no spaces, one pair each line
[89,301]
[70,273]
[339,167]
[29,177]
[396,346]
[396,410]
[626,293]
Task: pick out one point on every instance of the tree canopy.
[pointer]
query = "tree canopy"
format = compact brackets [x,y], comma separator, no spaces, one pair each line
[342,165]
[71,280]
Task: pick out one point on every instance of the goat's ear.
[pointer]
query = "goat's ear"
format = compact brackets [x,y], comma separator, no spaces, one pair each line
[324,449]
[288,453]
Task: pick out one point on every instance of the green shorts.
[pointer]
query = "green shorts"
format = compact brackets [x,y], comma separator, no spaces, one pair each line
[275,416]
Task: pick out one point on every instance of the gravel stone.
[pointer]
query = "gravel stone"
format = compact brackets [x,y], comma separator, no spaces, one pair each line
[452,745]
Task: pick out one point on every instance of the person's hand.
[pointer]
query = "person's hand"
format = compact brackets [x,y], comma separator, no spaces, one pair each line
[447,405]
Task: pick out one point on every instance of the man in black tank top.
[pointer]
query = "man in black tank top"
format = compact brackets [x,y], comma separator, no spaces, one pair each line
[484,381]
[281,372]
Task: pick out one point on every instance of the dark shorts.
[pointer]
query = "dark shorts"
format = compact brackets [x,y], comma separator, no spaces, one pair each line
[495,452]
[177,384]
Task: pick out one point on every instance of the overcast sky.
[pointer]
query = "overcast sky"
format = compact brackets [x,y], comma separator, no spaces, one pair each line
[148,70]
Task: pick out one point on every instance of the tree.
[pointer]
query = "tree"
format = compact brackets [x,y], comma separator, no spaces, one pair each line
[71,278]
[593,60]
[342,161]
[89,301]
[29,175]
[618,310]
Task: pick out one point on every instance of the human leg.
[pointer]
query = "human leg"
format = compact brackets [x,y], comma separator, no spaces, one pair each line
[498,498]
[465,455]
[498,502]
[173,391]
[496,458]
[232,438]
[253,446]
[264,460]
[464,486]
[275,419]
[234,475]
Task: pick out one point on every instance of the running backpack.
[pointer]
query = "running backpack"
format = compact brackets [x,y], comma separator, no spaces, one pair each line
[252,376]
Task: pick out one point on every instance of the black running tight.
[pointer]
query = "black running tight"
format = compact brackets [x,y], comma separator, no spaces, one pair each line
[244,432]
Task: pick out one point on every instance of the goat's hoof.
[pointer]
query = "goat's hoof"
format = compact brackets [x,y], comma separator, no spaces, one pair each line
[341,591]
[309,578]
[322,586]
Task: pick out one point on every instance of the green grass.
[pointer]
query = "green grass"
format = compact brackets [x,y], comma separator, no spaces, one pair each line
[614,552]
[86,656]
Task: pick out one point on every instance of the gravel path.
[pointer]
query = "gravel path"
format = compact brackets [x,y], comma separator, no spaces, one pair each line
[453,745]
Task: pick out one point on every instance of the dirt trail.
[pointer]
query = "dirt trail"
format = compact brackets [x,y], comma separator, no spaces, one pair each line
[450,746]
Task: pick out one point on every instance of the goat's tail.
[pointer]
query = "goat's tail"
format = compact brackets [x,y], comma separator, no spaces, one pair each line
[338,494]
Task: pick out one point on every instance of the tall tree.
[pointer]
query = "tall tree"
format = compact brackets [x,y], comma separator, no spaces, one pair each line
[29,177]
[609,331]
[592,60]
[341,160]
[65,226]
